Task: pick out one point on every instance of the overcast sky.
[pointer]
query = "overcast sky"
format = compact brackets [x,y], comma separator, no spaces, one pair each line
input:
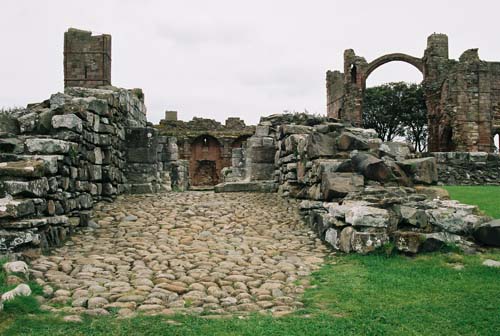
[217,59]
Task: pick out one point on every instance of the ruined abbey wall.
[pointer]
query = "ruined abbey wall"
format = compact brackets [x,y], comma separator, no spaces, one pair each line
[61,156]
[462,97]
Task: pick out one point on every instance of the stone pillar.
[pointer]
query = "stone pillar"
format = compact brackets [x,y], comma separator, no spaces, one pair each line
[334,94]
[354,86]
[435,73]
[143,172]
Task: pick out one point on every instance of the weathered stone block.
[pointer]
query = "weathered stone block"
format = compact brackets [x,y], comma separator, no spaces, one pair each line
[33,188]
[348,141]
[16,208]
[318,145]
[422,170]
[68,121]
[488,233]
[365,242]
[49,146]
[371,167]
[338,185]
[397,150]
[27,168]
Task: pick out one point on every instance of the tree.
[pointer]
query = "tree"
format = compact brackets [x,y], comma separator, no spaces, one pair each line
[397,110]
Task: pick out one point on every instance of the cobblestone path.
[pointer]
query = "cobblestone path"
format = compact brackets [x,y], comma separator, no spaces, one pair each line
[187,252]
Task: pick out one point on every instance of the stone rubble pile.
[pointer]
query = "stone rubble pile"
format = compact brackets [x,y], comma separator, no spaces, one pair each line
[60,156]
[359,193]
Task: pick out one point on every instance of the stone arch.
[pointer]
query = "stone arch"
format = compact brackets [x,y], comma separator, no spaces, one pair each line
[378,62]
[205,161]
[395,57]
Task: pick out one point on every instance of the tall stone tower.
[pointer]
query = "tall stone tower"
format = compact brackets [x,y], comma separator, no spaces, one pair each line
[87,59]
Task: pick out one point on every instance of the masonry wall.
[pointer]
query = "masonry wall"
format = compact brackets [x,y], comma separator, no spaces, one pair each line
[59,157]
[464,168]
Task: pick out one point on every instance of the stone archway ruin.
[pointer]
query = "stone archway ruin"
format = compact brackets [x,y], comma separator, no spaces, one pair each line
[462,97]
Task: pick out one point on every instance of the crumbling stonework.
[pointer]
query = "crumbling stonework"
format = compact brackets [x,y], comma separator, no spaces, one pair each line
[462,97]
[87,59]
[206,144]
[359,193]
[61,156]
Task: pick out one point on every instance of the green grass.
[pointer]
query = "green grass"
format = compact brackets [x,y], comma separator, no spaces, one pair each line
[352,295]
[486,197]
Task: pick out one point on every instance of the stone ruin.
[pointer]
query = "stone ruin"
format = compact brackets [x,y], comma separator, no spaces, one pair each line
[206,144]
[93,143]
[358,192]
[462,97]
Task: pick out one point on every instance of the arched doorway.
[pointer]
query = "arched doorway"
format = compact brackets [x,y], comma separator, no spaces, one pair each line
[205,161]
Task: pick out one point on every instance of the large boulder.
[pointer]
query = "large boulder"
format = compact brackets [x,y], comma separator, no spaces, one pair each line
[371,167]
[488,233]
[348,141]
[413,217]
[454,217]
[415,242]
[422,170]
[338,185]
[365,242]
[360,214]
[397,150]
[319,145]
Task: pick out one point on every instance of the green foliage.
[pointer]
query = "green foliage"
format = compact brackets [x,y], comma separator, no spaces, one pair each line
[397,109]
[388,250]
[485,197]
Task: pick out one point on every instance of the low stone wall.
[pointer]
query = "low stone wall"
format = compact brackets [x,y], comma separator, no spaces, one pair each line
[462,168]
[59,157]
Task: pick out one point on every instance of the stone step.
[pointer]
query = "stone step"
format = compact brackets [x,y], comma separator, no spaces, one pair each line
[264,186]
[16,208]
[36,222]
[50,161]
[32,188]
[23,168]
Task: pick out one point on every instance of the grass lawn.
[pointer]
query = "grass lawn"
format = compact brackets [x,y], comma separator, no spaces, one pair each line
[486,197]
[351,295]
